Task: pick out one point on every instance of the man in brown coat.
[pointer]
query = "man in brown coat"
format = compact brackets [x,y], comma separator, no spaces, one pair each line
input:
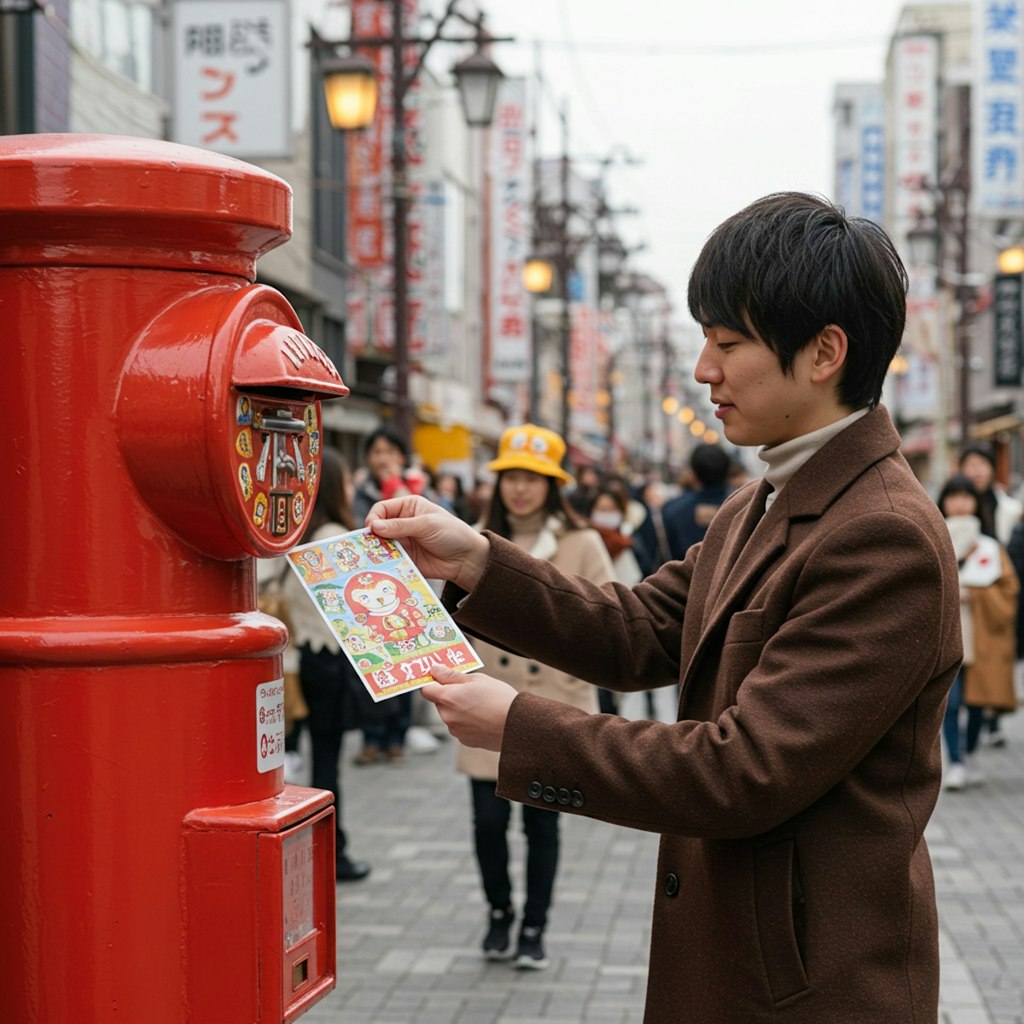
[814,634]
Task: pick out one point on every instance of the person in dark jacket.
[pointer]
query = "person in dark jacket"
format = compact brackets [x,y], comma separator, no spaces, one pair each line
[688,517]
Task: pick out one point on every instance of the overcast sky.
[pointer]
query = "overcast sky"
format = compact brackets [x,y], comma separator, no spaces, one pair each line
[723,100]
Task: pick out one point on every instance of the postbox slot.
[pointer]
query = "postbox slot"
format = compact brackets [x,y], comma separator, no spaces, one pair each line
[300,973]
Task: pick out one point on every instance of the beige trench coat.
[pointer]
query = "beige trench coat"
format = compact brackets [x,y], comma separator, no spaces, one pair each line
[577,552]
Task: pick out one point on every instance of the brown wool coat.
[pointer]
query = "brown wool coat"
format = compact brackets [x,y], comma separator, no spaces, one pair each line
[579,553]
[815,647]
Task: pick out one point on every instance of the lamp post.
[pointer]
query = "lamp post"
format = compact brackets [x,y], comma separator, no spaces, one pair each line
[349,83]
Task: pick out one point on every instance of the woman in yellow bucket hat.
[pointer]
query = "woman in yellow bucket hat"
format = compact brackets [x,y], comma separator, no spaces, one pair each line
[528,508]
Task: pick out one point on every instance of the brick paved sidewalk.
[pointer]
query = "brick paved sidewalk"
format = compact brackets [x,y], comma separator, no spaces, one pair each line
[408,937]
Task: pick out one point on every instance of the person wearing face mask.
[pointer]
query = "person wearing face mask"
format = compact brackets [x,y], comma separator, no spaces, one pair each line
[989,590]
[528,508]
[607,514]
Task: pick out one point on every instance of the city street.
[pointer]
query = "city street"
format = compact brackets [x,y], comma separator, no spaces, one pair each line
[408,938]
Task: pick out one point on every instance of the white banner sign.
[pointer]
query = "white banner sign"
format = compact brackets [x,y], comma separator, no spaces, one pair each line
[510,235]
[231,88]
[998,144]
[915,129]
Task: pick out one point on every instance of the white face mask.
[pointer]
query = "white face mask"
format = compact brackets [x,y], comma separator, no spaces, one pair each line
[609,520]
[964,531]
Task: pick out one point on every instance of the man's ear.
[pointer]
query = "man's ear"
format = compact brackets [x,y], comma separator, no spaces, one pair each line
[830,349]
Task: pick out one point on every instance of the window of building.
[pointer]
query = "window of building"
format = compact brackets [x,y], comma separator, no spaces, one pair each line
[119,34]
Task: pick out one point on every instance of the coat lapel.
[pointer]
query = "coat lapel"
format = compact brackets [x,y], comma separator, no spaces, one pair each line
[756,539]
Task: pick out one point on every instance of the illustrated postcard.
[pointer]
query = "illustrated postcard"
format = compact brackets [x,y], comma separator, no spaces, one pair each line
[389,622]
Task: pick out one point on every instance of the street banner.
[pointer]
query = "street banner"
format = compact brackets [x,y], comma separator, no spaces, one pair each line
[370,244]
[231,78]
[998,91]
[915,130]
[1007,323]
[511,220]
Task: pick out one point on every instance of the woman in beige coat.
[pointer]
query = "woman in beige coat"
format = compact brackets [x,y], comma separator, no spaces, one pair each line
[528,508]
[988,615]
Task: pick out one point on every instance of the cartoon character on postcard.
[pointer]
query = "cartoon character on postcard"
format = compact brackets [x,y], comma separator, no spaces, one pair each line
[391,625]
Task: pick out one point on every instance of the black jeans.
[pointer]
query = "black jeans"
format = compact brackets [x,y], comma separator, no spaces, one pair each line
[491,817]
[328,694]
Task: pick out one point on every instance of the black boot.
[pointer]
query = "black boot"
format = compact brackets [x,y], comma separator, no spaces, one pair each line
[347,870]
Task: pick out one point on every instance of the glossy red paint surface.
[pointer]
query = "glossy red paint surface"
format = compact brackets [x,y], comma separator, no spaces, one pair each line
[131,654]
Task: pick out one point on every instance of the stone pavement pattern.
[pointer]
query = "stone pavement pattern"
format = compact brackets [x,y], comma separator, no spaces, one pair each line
[408,937]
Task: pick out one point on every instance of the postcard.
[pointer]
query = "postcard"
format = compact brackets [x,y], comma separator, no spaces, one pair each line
[389,622]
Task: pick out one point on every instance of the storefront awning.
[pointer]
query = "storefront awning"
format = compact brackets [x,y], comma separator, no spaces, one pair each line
[997,425]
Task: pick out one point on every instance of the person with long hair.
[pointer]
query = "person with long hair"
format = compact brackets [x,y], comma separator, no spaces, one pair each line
[988,616]
[327,678]
[528,508]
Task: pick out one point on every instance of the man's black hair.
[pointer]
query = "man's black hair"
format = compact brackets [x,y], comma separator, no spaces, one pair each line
[710,464]
[789,265]
[388,435]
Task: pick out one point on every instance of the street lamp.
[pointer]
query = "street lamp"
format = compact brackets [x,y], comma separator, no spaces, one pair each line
[351,104]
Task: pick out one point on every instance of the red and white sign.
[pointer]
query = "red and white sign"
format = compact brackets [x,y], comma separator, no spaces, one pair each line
[915,154]
[231,77]
[510,235]
[270,725]
[370,243]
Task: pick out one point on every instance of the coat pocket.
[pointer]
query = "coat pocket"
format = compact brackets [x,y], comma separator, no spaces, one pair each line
[741,650]
[779,908]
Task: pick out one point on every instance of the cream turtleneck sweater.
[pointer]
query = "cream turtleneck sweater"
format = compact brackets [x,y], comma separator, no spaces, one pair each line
[783,460]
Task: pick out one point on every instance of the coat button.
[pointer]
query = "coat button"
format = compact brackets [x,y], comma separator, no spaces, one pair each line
[671,884]
[549,794]
[564,797]
[534,790]
[577,798]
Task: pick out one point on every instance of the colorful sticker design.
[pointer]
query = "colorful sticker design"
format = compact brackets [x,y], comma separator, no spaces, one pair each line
[243,410]
[390,624]
[243,443]
[245,479]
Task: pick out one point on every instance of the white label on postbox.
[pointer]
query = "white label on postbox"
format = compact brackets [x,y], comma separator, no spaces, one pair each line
[297,885]
[270,725]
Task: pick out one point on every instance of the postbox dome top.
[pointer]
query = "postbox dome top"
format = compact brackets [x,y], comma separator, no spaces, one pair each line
[120,200]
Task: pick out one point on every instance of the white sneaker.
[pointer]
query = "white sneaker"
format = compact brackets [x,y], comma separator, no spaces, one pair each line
[294,767]
[974,775]
[420,740]
[956,776]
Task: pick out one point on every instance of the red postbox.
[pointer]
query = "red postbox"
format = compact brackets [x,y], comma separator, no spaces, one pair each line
[162,426]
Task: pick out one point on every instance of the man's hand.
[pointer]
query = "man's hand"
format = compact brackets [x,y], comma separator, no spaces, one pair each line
[442,545]
[473,706]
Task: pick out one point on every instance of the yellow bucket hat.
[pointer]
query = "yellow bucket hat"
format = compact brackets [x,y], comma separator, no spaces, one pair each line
[534,448]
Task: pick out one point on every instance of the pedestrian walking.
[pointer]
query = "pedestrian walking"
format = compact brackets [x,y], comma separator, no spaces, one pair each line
[989,590]
[815,634]
[529,509]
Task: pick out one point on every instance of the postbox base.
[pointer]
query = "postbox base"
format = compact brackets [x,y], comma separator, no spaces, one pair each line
[260,931]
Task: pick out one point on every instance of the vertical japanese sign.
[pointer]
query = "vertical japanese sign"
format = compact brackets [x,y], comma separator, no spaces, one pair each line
[370,243]
[998,143]
[915,128]
[584,341]
[872,159]
[1006,330]
[510,235]
[232,85]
